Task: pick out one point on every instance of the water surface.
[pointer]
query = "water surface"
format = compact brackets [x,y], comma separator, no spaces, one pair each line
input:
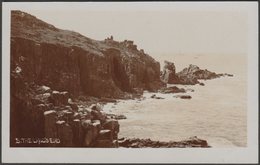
[217,111]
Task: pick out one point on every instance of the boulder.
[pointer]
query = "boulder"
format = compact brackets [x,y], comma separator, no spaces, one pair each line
[202,84]
[76,115]
[113,125]
[119,117]
[59,98]
[156,97]
[96,107]
[197,142]
[183,96]
[172,89]
[68,115]
[97,115]
[97,123]
[49,106]
[73,106]
[43,89]
[45,97]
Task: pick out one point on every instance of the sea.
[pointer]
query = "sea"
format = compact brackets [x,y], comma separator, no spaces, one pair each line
[217,112]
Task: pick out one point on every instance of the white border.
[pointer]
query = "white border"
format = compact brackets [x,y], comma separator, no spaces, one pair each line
[248,154]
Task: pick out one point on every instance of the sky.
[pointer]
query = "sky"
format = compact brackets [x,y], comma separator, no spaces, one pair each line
[158,31]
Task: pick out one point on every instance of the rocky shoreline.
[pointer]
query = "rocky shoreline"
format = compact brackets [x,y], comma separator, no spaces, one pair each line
[60,80]
[148,143]
[53,115]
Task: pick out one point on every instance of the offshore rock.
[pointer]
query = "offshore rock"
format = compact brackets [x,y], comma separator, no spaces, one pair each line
[168,74]
[192,74]
[183,96]
[172,89]
[188,76]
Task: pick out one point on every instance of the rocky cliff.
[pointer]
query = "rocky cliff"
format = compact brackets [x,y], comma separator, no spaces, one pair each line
[51,68]
[66,60]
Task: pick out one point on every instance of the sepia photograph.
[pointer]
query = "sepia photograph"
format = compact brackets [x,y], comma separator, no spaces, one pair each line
[158,76]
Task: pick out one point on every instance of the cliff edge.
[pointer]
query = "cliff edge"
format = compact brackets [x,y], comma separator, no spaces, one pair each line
[66,60]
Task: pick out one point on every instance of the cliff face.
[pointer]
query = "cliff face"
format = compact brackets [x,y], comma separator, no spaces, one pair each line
[46,60]
[66,60]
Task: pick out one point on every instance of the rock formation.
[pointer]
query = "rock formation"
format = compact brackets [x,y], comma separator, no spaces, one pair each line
[144,143]
[49,115]
[192,75]
[168,74]
[183,96]
[53,74]
[66,60]
[172,89]
[56,74]
[188,76]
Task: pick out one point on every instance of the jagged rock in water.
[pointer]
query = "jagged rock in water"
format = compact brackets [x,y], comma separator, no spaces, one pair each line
[188,76]
[202,84]
[168,74]
[156,97]
[117,117]
[193,73]
[172,89]
[183,96]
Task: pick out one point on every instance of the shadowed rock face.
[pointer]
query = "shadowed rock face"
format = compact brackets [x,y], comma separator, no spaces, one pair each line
[66,60]
[60,60]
